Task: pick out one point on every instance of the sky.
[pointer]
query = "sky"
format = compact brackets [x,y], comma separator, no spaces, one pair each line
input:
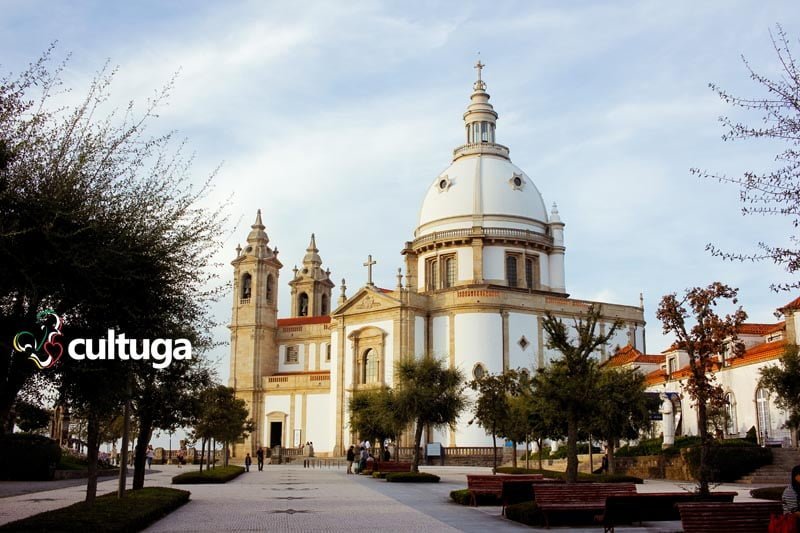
[335,118]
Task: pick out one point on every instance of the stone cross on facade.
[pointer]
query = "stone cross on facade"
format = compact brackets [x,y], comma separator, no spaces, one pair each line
[369,264]
[479,66]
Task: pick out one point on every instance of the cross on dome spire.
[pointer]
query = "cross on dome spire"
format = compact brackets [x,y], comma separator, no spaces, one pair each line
[479,84]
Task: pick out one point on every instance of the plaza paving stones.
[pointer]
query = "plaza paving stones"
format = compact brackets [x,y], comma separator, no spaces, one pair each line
[291,498]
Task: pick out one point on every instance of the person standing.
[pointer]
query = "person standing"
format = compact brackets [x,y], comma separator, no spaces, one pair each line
[260,458]
[351,456]
[247,462]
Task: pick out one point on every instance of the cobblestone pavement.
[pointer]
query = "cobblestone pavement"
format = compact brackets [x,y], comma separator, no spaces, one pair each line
[291,498]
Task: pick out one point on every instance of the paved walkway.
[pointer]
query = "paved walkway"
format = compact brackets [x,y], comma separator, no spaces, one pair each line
[291,498]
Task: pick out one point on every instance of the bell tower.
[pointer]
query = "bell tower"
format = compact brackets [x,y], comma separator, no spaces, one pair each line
[311,286]
[254,325]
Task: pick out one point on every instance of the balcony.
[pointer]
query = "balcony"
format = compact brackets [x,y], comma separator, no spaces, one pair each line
[304,381]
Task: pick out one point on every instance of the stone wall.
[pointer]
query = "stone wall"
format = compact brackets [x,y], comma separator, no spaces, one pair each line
[654,467]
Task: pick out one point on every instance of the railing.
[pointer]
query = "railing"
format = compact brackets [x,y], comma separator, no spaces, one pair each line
[490,233]
[244,301]
[481,148]
[314,462]
[315,380]
[472,450]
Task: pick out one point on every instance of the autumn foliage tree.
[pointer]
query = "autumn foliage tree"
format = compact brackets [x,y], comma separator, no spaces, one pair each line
[705,336]
[776,190]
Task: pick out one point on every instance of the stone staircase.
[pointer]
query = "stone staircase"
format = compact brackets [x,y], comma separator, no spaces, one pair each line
[783,460]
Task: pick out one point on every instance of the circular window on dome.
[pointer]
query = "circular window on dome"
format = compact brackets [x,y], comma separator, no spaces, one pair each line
[479,371]
[444,183]
[516,182]
[248,249]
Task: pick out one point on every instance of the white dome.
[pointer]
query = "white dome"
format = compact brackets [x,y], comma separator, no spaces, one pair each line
[482,190]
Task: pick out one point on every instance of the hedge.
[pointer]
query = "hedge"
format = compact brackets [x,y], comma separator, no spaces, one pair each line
[134,512]
[463,497]
[411,477]
[220,474]
[527,513]
[582,477]
[729,460]
[27,457]
[768,493]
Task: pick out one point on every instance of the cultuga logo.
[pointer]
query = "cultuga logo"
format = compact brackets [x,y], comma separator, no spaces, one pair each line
[45,351]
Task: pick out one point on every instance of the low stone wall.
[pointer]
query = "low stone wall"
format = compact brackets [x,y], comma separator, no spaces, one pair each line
[654,467]
[78,474]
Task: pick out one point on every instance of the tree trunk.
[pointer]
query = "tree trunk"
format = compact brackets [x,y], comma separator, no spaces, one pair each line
[93,438]
[612,469]
[572,448]
[514,460]
[494,452]
[417,442]
[225,451]
[212,455]
[527,453]
[705,445]
[123,459]
[202,453]
[591,455]
[540,444]
[140,455]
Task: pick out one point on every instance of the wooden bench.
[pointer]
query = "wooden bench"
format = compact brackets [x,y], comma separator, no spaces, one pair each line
[651,507]
[493,484]
[749,517]
[520,490]
[391,466]
[577,497]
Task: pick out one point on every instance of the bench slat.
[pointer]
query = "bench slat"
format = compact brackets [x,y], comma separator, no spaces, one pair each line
[728,517]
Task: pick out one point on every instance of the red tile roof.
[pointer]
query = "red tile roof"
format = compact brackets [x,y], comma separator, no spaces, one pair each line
[761,329]
[655,377]
[629,354]
[762,352]
[303,320]
[794,304]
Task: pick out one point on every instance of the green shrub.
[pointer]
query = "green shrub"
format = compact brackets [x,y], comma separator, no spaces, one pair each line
[729,462]
[220,474]
[463,497]
[379,475]
[411,477]
[526,513]
[134,512]
[768,493]
[27,457]
[653,447]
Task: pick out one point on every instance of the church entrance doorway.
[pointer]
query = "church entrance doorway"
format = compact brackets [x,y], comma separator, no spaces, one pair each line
[275,433]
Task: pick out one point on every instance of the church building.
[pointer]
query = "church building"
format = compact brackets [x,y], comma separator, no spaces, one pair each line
[485,263]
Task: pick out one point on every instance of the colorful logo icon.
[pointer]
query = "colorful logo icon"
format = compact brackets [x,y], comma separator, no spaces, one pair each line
[45,350]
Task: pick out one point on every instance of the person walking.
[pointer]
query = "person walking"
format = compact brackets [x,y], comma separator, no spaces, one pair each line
[247,462]
[351,456]
[149,454]
[260,458]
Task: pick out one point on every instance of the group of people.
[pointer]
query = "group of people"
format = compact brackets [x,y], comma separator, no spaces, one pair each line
[259,459]
[364,456]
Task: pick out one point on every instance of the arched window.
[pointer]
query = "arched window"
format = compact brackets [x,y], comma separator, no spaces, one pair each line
[449,271]
[270,287]
[730,414]
[762,413]
[511,270]
[302,305]
[370,367]
[247,286]
[432,274]
[324,305]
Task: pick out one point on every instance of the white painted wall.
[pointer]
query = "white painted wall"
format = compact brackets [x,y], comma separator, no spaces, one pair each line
[440,331]
[319,423]
[639,335]
[520,324]
[312,356]
[620,338]
[419,336]
[464,261]
[298,420]
[544,269]
[494,262]
[478,339]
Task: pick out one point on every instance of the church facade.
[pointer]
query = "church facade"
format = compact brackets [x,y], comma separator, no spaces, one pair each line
[485,264]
